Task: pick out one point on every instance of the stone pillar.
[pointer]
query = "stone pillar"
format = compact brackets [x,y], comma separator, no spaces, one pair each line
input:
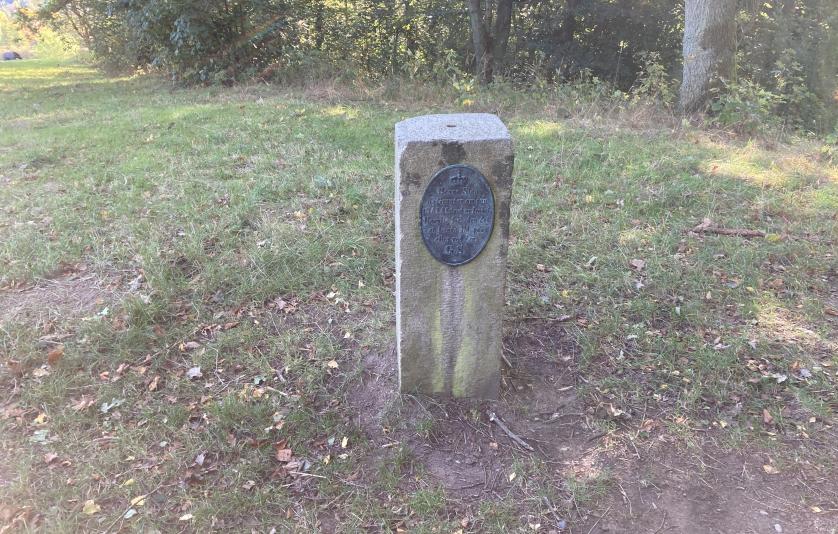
[453,187]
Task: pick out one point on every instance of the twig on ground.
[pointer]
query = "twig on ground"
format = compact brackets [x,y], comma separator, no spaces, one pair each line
[707,227]
[560,319]
[598,520]
[506,360]
[301,474]
[628,501]
[552,509]
[663,522]
[514,437]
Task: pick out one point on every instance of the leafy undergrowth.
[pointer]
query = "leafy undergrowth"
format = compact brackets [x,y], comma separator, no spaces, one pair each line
[196,317]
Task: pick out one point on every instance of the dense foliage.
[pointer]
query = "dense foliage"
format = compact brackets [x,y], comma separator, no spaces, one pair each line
[787,52]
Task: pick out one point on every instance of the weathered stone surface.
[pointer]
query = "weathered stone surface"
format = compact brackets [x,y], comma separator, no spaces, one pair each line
[449,318]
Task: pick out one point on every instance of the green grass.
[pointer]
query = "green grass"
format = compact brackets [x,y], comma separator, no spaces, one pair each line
[225,201]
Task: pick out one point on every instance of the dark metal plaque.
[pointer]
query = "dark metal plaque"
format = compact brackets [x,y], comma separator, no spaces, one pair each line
[457,214]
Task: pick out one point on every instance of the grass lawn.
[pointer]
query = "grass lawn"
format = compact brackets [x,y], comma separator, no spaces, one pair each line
[196,319]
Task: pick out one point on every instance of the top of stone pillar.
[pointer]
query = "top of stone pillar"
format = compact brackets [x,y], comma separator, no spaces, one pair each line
[454,127]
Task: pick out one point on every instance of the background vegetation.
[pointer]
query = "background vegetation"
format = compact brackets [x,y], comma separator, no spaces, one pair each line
[786,52]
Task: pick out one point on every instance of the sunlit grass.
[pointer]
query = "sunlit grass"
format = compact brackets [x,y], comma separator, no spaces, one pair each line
[225,200]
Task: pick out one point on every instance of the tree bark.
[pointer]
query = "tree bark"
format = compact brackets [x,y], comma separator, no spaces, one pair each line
[503,25]
[708,47]
[481,40]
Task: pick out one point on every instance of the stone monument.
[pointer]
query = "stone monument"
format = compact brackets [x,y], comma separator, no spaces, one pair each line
[453,186]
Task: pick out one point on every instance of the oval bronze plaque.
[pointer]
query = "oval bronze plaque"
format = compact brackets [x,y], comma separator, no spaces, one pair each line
[457,214]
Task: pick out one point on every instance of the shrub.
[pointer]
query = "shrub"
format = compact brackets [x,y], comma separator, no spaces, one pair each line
[744,106]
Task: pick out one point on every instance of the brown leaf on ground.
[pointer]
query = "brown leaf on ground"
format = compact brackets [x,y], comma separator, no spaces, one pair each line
[50,457]
[637,264]
[189,345]
[83,403]
[770,469]
[767,418]
[153,385]
[283,455]
[15,367]
[55,354]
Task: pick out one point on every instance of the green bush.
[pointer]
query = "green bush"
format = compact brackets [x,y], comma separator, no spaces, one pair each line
[745,106]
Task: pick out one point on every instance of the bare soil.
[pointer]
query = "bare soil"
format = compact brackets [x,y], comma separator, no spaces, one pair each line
[654,483]
[71,295]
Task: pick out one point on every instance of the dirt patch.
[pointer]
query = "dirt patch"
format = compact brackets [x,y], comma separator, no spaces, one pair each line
[652,484]
[456,442]
[708,490]
[59,300]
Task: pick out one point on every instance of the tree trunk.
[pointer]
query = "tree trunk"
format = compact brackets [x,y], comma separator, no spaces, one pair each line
[709,43]
[503,24]
[480,38]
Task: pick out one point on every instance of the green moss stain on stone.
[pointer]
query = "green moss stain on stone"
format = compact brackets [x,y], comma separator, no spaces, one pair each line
[466,362]
[437,354]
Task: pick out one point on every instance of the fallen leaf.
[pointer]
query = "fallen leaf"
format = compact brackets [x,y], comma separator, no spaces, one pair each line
[108,406]
[247,486]
[139,500]
[770,469]
[333,364]
[189,345]
[130,513]
[154,383]
[767,418]
[15,368]
[90,507]
[39,436]
[637,264]
[55,354]
[50,457]
[185,517]
[40,372]
[194,372]
[283,455]
[344,442]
